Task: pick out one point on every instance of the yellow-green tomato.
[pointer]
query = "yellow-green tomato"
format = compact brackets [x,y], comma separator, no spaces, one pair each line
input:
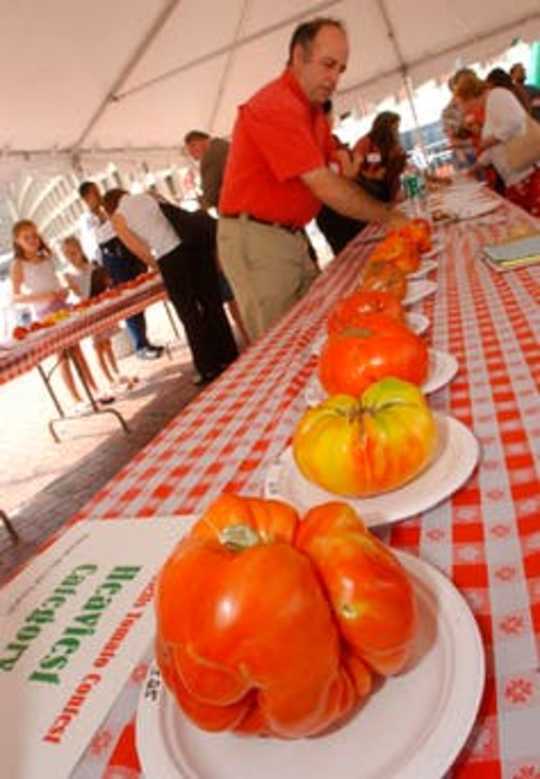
[366,446]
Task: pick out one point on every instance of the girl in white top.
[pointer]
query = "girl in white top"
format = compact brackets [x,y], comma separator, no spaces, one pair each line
[504,119]
[80,282]
[34,281]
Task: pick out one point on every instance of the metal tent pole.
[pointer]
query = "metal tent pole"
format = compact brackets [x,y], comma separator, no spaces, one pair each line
[404,70]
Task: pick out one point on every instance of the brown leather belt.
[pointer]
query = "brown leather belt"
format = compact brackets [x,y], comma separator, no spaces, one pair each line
[289,228]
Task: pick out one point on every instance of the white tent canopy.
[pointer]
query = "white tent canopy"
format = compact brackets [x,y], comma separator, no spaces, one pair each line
[134,75]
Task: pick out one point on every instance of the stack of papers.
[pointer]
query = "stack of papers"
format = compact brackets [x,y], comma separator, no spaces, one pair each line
[515,253]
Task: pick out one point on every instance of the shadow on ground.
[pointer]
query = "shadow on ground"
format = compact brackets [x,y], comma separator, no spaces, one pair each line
[169,390]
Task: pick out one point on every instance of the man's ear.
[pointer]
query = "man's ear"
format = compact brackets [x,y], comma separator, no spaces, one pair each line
[300,54]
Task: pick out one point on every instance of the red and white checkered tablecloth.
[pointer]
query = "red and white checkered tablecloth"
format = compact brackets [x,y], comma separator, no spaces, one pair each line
[24,355]
[486,538]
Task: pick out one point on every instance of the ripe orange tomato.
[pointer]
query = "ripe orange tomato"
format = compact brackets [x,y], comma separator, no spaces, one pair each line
[374,612]
[374,348]
[399,249]
[384,277]
[248,637]
[419,231]
[19,333]
[360,303]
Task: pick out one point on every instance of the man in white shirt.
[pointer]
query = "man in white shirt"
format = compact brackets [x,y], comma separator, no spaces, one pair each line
[187,265]
[120,264]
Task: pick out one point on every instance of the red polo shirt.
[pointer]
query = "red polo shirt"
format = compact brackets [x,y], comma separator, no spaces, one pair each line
[278,136]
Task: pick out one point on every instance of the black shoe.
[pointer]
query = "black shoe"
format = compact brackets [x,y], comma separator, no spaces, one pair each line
[205,378]
[149,353]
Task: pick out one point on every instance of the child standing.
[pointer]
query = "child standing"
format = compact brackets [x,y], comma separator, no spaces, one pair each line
[84,282]
[34,281]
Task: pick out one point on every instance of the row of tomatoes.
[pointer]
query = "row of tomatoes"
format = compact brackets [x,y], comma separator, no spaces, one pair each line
[375,432]
[273,624]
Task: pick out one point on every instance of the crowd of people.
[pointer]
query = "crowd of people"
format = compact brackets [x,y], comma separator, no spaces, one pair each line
[247,247]
[483,118]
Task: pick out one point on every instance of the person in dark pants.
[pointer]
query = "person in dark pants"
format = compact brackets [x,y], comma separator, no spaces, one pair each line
[182,246]
[121,265]
[338,230]
[211,154]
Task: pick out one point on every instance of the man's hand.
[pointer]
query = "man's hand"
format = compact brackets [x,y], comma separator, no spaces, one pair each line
[345,196]
[396,219]
[349,164]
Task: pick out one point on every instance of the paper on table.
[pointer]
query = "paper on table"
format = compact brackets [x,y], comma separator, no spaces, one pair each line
[514,253]
[73,625]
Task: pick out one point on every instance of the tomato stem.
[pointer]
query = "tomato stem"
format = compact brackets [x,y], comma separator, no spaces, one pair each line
[238,538]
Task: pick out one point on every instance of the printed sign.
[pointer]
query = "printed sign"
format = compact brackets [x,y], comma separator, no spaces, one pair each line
[73,625]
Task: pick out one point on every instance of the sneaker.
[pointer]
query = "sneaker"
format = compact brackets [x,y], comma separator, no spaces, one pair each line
[83,407]
[157,349]
[149,353]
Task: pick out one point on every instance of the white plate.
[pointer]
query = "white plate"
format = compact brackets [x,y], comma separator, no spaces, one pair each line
[441,693]
[317,344]
[437,247]
[442,368]
[478,208]
[418,323]
[454,461]
[417,291]
[426,266]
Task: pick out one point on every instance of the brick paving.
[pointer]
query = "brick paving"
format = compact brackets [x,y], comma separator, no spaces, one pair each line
[43,483]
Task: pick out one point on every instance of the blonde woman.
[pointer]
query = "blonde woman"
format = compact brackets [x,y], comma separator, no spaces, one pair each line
[35,282]
[504,118]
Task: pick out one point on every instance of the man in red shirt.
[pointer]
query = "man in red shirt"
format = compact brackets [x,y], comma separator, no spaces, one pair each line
[278,175]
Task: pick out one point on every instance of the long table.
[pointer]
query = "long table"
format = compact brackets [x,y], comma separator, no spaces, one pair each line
[26,354]
[485,538]
[21,357]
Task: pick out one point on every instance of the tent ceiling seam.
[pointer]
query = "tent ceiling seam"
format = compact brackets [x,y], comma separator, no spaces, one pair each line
[225,49]
[228,65]
[455,47]
[140,50]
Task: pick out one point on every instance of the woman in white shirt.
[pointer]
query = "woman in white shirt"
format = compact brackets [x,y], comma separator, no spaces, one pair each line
[34,281]
[189,273]
[504,119]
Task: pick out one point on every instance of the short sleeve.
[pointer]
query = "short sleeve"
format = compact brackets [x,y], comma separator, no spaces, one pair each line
[285,139]
[362,147]
[212,170]
[505,116]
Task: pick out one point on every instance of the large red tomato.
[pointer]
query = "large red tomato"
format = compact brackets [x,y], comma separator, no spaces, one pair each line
[377,346]
[365,446]
[19,333]
[399,249]
[418,231]
[384,277]
[360,303]
[370,593]
[247,635]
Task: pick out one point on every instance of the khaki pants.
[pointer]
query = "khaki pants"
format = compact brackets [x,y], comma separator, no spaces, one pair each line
[268,268]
